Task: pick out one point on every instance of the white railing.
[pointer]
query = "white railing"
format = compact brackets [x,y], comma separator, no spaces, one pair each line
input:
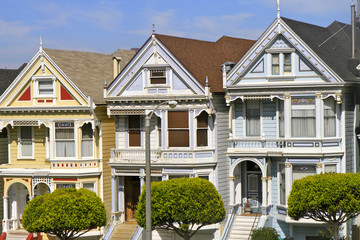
[133,155]
[284,143]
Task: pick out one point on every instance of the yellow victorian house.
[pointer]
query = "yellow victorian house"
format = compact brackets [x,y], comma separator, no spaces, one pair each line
[55,129]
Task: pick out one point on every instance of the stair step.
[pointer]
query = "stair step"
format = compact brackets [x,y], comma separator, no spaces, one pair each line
[124,231]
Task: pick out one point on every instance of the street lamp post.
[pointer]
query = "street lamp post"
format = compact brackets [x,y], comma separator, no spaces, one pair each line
[172,104]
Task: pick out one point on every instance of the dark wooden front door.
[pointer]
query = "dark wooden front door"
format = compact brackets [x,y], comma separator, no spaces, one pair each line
[132,193]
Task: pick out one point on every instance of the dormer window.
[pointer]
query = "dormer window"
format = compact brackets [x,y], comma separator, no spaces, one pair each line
[287,63]
[275,64]
[280,61]
[45,87]
[158,76]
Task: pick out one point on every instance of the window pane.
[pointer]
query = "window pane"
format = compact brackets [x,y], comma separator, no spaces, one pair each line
[64,137]
[287,63]
[275,64]
[26,142]
[178,119]
[87,131]
[157,77]
[329,117]
[89,186]
[134,131]
[65,185]
[202,129]
[303,117]
[202,137]
[179,138]
[281,119]
[282,183]
[300,171]
[46,87]
[330,168]
[253,118]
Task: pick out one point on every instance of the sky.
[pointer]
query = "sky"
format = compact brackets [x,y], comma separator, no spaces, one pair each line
[104,26]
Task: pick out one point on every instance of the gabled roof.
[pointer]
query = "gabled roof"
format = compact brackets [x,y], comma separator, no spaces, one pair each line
[332,44]
[88,70]
[7,76]
[204,58]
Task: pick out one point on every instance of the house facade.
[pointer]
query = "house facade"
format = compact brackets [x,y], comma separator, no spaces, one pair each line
[293,112]
[53,121]
[185,139]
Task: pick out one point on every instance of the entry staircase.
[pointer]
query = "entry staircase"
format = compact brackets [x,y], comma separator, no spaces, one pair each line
[242,226]
[124,231]
[20,234]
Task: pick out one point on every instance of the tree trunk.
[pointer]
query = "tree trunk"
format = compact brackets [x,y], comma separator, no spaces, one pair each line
[186,236]
[335,230]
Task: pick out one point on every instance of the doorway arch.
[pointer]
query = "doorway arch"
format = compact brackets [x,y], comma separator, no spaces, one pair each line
[18,195]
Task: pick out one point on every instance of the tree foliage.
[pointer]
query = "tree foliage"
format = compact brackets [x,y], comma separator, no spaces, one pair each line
[333,198]
[265,233]
[66,213]
[183,205]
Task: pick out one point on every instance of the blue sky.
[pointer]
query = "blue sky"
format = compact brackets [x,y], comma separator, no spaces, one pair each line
[104,26]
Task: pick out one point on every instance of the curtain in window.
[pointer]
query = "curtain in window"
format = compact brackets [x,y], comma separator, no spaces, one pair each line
[252,118]
[275,64]
[178,129]
[87,140]
[329,118]
[65,142]
[303,117]
[287,63]
[26,142]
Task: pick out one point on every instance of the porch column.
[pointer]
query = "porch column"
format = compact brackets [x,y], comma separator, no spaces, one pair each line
[288,180]
[232,190]
[142,182]
[264,191]
[269,190]
[6,214]
[113,194]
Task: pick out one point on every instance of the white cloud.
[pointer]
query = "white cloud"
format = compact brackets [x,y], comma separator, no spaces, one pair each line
[14,29]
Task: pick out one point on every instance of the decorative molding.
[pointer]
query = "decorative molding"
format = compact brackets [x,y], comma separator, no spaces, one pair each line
[127,112]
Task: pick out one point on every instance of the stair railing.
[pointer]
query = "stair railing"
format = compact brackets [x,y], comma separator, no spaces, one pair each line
[108,230]
[229,222]
[253,225]
[137,233]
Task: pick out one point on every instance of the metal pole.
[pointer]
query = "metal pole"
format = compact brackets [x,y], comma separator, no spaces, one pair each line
[148,178]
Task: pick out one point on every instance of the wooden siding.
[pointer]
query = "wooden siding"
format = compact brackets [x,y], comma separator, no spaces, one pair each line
[349,132]
[108,141]
[223,163]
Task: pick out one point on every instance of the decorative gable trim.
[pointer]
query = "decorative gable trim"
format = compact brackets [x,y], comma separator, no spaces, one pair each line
[26,96]
[279,27]
[152,50]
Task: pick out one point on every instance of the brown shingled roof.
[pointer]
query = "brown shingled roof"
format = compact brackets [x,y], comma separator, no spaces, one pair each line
[88,70]
[203,58]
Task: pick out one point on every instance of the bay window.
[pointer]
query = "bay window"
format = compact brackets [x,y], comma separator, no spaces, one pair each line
[65,139]
[178,129]
[303,116]
[252,118]
[87,140]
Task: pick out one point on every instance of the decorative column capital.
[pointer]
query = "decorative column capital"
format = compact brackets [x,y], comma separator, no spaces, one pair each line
[269,178]
[231,178]
[288,165]
[318,95]
[264,179]
[287,95]
[5,197]
[319,165]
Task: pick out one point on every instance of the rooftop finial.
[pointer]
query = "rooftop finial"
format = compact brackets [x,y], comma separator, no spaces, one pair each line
[41,43]
[278,8]
[206,81]
[153,28]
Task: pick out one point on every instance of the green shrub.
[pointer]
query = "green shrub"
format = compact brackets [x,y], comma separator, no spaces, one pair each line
[266,233]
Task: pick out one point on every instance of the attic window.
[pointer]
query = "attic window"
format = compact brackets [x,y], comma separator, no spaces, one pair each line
[46,87]
[158,76]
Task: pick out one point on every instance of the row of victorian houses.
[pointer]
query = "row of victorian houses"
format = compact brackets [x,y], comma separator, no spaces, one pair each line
[252,117]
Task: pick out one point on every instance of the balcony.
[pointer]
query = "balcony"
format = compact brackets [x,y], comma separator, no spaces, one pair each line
[281,146]
[162,156]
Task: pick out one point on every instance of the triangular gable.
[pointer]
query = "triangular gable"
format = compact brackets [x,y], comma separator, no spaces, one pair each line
[42,83]
[154,70]
[279,35]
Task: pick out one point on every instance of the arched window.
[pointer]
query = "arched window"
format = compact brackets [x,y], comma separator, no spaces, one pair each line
[87,140]
[202,129]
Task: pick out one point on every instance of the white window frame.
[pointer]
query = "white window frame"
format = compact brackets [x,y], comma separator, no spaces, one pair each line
[20,156]
[335,119]
[303,107]
[207,131]
[74,139]
[38,79]
[164,70]
[281,64]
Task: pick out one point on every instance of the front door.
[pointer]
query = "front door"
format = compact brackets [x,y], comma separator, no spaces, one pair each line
[132,193]
[254,193]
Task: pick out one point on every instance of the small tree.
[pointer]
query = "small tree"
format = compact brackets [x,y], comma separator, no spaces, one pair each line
[265,233]
[66,213]
[333,198]
[183,205]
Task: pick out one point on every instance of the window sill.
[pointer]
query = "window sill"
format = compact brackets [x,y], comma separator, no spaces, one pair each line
[281,78]
[26,159]
[157,86]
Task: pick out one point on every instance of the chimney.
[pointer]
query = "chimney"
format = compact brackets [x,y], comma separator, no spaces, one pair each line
[116,64]
[353,28]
